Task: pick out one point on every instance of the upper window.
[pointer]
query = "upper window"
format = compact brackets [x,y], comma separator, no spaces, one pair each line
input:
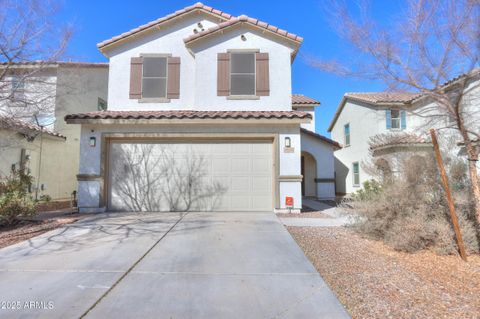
[18,88]
[346,134]
[154,77]
[242,75]
[395,119]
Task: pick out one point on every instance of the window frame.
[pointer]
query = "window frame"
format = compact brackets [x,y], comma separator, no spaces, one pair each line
[155,56]
[17,90]
[357,173]
[399,119]
[252,52]
[345,135]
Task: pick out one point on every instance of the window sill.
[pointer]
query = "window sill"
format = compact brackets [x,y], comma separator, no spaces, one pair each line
[356,185]
[243,97]
[154,100]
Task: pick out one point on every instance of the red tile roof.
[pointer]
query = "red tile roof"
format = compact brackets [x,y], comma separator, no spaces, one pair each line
[383,97]
[302,99]
[248,20]
[374,98]
[54,63]
[23,127]
[184,114]
[197,6]
[321,137]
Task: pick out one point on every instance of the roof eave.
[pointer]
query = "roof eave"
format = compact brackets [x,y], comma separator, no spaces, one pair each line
[189,121]
[296,43]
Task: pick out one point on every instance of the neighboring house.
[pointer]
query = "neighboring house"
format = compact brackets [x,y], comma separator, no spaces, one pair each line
[374,128]
[33,133]
[201,117]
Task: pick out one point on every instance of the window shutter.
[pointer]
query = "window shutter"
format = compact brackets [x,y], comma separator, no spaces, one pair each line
[173,78]
[403,119]
[388,116]
[263,77]
[223,74]
[136,64]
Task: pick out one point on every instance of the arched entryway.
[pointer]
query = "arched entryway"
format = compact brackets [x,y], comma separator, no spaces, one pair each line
[309,173]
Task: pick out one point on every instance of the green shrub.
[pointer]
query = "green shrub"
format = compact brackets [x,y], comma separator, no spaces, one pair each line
[370,190]
[15,201]
[14,206]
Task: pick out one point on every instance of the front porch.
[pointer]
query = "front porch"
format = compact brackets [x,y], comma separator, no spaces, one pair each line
[317,165]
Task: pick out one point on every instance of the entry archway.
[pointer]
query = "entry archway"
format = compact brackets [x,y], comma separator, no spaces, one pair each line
[309,173]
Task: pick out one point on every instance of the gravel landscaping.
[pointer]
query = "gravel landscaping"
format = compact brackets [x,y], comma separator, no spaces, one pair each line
[374,281]
[313,214]
[27,229]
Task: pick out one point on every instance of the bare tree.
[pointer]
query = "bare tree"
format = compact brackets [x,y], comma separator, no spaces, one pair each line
[432,48]
[30,40]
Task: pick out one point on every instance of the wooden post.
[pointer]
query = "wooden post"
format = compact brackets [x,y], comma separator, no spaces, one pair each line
[451,206]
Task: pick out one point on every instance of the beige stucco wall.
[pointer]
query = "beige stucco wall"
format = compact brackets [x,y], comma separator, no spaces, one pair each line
[75,89]
[53,178]
[78,90]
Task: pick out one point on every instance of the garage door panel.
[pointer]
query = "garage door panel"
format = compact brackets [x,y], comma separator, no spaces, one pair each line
[261,185]
[241,149]
[240,164]
[218,176]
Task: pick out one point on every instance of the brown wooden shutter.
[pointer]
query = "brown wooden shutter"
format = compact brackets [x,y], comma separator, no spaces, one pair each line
[223,74]
[173,80]
[136,64]
[263,77]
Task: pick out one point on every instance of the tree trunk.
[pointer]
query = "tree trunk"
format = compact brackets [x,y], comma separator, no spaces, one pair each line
[472,168]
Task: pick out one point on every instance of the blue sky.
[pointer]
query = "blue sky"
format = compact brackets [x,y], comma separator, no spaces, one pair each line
[95,21]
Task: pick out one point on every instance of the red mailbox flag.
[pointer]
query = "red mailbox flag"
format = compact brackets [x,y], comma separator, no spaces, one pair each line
[289,201]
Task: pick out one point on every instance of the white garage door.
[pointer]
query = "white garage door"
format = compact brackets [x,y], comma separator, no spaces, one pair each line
[205,176]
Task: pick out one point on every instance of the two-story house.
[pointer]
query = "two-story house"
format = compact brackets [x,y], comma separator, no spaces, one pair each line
[201,116]
[35,97]
[375,128]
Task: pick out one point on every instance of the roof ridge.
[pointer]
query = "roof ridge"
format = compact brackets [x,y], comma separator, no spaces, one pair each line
[244,19]
[143,27]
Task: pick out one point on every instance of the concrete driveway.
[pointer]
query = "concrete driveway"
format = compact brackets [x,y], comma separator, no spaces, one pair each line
[164,265]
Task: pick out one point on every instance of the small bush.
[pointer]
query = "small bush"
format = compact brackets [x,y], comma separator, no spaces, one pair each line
[15,202]
[371,189]
[410,213]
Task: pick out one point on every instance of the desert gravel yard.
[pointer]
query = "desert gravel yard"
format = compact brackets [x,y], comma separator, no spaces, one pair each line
[25,230]
[374,281]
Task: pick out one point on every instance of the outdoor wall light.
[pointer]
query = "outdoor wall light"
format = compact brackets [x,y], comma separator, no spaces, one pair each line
[288,142]
[93,141]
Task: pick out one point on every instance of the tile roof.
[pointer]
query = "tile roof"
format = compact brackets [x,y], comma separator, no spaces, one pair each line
[248,20]
[374,98]
[383,97]
[56,63]
[197,6]
[321,137]
[395,139]
[302,99]
[188,114]
[23,127]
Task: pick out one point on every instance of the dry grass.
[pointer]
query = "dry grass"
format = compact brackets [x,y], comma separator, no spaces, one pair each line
[374,281]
